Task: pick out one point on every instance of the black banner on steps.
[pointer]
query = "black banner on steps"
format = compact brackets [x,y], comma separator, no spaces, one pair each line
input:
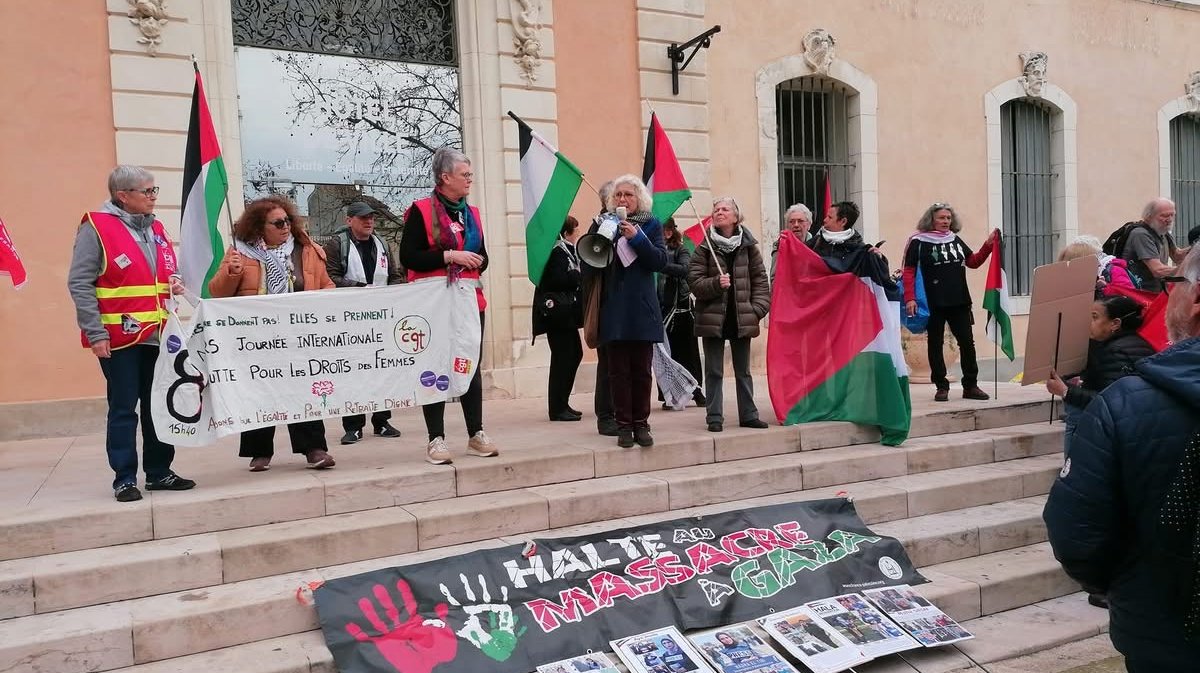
[502,611]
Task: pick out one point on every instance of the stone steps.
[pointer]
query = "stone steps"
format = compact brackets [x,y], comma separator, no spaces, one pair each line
[1055,615]
[243,500]
[178,624]
[95,576]
[217,574]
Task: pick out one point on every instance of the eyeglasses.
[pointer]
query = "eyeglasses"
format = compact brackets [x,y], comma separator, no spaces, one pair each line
[281,223]
[1170,282]
[149,191]
[939,206]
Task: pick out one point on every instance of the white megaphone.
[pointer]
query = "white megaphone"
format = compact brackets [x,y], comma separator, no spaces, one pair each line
[596,249]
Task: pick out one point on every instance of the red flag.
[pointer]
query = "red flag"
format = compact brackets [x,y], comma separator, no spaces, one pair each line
[828,195]
[693,236]
[10,261]
[1154,313]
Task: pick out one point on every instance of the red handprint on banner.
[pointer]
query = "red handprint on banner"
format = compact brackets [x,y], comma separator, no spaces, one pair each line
[415,646]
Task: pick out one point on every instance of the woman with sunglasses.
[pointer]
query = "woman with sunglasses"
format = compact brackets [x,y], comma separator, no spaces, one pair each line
[943,258]
[272,254]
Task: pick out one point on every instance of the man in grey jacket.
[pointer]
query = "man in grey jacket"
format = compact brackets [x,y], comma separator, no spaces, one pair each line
[357,257]
[122,271]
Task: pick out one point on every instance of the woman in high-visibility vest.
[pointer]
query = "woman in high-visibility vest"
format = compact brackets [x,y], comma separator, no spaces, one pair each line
[272,254]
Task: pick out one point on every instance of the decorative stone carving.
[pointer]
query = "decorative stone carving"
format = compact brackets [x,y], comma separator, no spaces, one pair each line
[150,17]
[818,50]
[1193,90]
[1033,72]
[527,25]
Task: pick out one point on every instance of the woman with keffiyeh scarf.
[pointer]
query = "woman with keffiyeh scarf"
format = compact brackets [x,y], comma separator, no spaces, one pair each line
[272,254]
[443,237]
[943,258]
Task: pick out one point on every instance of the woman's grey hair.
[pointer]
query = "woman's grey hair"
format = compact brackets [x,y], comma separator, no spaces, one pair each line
[926,221]
[126,177]
[797,208]
[444,161]
[645,201]
[737,212]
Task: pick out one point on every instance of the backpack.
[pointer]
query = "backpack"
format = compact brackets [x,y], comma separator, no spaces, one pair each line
[1115,243]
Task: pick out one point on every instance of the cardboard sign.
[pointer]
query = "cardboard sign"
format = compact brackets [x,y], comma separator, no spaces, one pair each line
[1060,311]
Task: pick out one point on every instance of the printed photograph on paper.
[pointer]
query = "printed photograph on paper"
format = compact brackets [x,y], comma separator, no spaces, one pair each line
[916,615]
[853,617]
[816,644]
[660,651]
[598,662]
[737,649]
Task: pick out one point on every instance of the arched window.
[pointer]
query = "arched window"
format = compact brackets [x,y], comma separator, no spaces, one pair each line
[1027,181]
[1185,174]
[814,143]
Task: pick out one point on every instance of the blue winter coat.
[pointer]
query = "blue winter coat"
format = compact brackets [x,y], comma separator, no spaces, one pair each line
[629,309]
[1103,509]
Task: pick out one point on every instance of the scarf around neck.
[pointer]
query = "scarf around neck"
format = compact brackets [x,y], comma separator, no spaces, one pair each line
[276,262]
[836,237]
[444,235]
[726,245]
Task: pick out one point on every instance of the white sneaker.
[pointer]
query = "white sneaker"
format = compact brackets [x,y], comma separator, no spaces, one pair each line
[481,445]
[437,453]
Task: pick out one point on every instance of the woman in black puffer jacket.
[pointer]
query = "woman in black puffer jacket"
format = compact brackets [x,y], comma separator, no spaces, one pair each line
[1115,345]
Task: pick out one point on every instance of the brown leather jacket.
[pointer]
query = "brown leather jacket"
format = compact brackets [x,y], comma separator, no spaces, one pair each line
[311,268]
[751,288]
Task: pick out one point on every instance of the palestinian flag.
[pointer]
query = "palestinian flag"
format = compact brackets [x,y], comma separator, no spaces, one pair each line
[662,174]
[549,184]
[10,261]
[995,300]
[205,185]
[693,236]
[833,348]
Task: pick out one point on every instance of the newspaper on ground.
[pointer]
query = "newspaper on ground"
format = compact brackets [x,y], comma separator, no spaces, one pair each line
[816,644]
[917,616]
[853,617]
[598,662]
[737,649]
[663,650]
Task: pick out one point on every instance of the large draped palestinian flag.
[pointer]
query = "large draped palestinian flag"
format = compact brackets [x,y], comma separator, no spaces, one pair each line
[833,349]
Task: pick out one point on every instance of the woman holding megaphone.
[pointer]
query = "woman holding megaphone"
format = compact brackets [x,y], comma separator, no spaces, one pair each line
[629,322]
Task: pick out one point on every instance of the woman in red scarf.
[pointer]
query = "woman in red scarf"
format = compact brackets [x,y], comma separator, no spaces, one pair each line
[443,236]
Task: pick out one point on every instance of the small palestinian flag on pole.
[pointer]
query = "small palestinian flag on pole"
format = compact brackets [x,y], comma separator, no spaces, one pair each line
[549,183]
[662,174]
[205,185]
[995,300]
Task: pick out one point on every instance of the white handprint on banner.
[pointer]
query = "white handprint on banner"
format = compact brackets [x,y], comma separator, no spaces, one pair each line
[499,639]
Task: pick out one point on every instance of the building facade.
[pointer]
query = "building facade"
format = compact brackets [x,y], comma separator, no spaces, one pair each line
[1046,119]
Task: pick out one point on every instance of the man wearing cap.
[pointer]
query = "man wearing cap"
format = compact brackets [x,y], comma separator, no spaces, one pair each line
[357,257]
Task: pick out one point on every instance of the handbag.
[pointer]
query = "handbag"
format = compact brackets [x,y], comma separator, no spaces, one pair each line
[919,321]
[558,308]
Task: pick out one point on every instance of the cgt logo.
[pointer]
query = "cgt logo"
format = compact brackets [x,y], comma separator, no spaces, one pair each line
[462,366]
[412,334]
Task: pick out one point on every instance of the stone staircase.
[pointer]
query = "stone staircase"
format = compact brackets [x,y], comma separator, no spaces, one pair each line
[217,579]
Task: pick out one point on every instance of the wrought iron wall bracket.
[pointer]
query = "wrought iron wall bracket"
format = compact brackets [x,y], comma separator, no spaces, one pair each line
[680,59]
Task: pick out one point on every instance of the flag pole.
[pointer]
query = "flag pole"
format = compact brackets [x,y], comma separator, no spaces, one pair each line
[707,235]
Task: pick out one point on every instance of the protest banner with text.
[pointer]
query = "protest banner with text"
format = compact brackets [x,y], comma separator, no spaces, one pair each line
[250,362]
[514,608]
